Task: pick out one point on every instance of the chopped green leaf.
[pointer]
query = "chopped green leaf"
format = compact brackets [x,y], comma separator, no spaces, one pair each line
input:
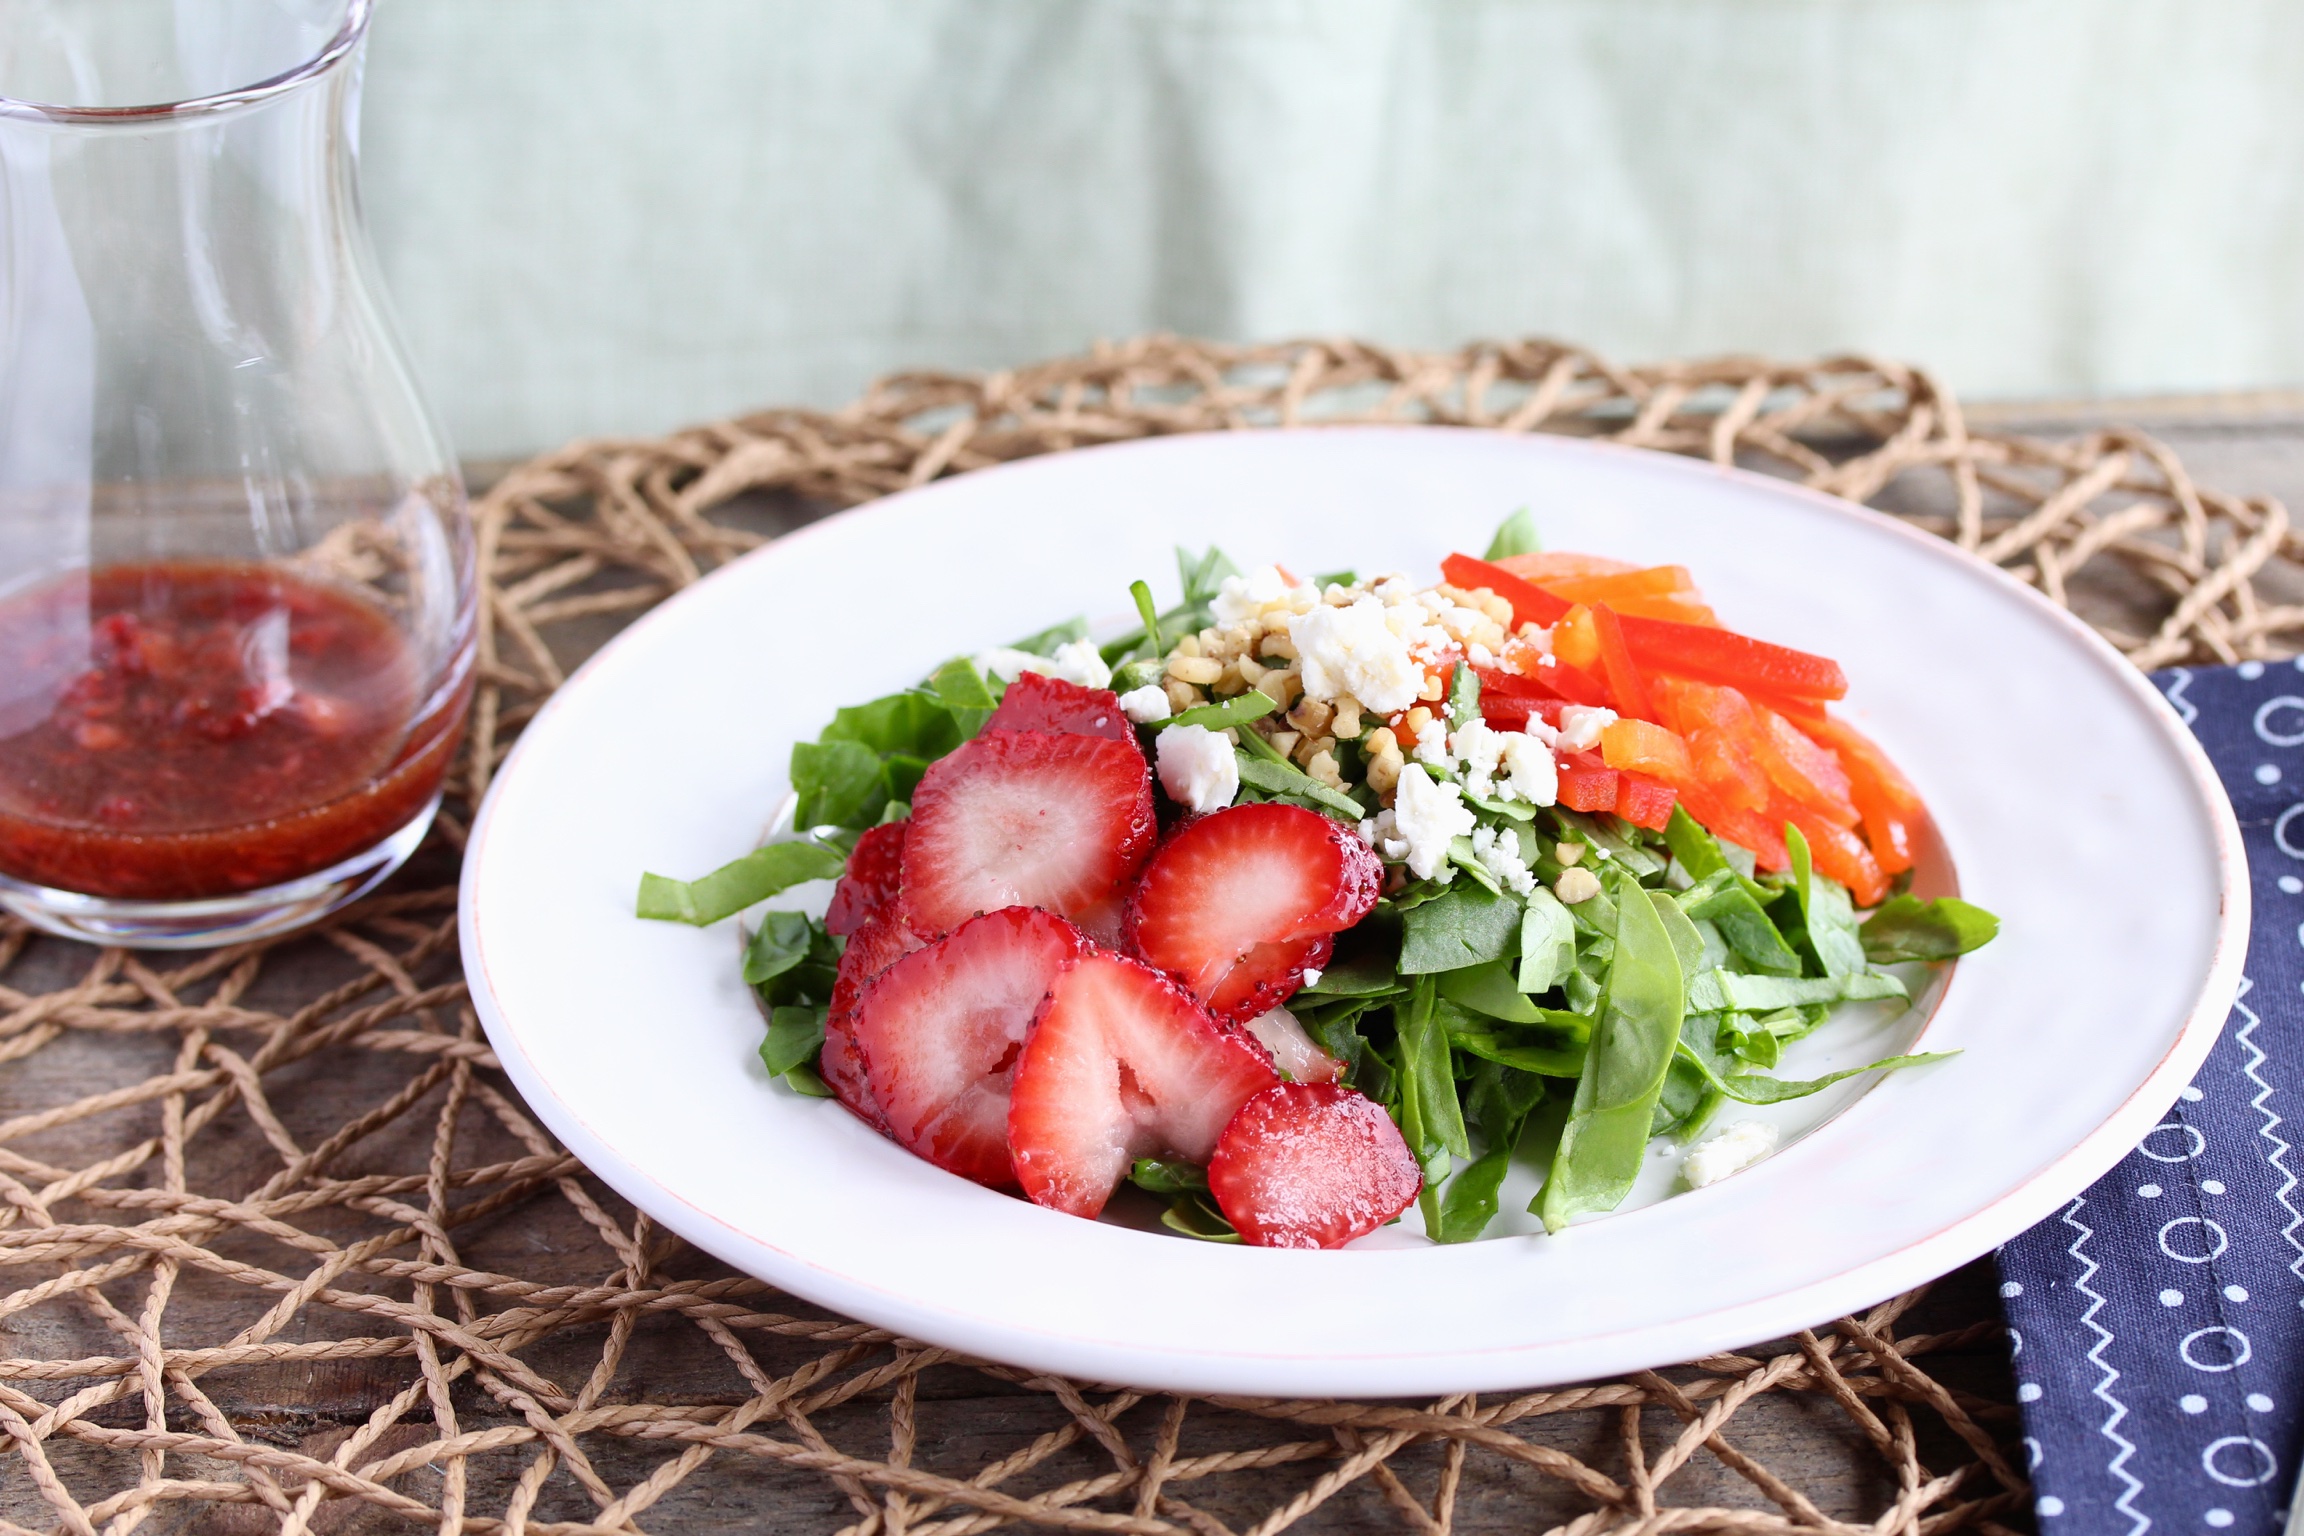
[1725,991]
[1755,1088]
[1162,1176]
[966,693]
[1046,641]
[1722,899]
[1463,697]
[803,1080]
[1464,925]
[1476,1036]
[1634,1041]
[1490,988]
[839,784]
[1431,1116]
[781,944]
[913,722]
[1516,535]
[1284,779]
[795,1035]
[1907,928]
[1237,710]
[1197,1216]
[1142,593]
[1547,942]
[732,887]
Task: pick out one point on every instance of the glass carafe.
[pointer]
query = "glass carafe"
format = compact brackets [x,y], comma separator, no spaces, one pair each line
[236,565]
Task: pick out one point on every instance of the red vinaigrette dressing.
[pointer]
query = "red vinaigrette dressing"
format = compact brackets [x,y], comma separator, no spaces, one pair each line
[179,730]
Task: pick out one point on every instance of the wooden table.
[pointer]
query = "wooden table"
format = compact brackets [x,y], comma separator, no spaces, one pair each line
[2252,451]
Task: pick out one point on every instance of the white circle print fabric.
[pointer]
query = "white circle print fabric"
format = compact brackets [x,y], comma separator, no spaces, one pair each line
[2162,1312]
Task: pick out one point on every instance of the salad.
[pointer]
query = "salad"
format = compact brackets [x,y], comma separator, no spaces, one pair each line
[1306,900]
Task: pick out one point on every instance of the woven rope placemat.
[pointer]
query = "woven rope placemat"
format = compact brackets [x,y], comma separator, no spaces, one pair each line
[284,1251]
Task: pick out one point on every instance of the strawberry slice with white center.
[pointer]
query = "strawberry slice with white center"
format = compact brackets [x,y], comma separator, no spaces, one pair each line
[941,1029]
[1038,702]
[1238,904]
[1025,819]
[880,943]
[1311,1165]
[868,887]
[1293,1050]
[1122,1063]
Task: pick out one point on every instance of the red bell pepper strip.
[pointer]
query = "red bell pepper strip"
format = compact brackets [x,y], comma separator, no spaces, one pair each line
[1645,802]
[1636,746]
[1807,772]
[1531,604]
[1801,712]
[1838,852]
[1664,645]
[1723,656]
[1749,829]
[1891,807]
[1625,685]
[1585,785]
[1718,725]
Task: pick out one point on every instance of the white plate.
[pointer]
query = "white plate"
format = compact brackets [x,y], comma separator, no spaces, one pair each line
[2071,800]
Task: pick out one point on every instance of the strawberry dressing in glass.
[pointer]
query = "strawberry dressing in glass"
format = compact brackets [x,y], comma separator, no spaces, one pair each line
[178,730]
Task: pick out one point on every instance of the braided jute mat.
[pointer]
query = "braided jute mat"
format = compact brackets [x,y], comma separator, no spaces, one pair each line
[284,1251]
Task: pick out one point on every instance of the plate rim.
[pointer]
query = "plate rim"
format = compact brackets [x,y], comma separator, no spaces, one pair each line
[1924,1258]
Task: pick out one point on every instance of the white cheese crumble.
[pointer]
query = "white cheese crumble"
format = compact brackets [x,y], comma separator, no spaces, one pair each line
[1382,833]
[1075,661]
[1729,1150]
[1354,650]
[1197,768]
[1430,816]
[1499,854]
[1242,598]
[1147,705]
[1581,725]
[1528,767]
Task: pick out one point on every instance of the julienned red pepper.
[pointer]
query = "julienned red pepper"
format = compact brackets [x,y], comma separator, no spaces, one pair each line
[1663,645]
[1588,785]
[1645,802]
[1625,686]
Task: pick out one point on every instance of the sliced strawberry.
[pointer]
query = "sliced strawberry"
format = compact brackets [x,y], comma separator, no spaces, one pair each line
[880,943]
[1122,1063]
[1038,702]
[1025,819]
[1237,904]
[1311,1165]
[940,1030]
[875,869]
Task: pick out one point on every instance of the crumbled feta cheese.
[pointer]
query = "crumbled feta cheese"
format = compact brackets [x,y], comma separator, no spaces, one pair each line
[1382,833]
[1430,816]
[1244,597]
[1355,651]
[1478,750]
[1312,975]
[1499,854]
[1197,767]
[1529,770]
[1432,749]
[1729,1150]
[1293,1051]
[1581,725]
[1075,661]
[1146,705]
[1479,655]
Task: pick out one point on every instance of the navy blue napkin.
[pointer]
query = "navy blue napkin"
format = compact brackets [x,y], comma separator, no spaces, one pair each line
[2159,1319]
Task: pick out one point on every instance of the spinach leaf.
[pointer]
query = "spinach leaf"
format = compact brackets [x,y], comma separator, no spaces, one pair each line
[1753,1088]
[1725,991]
[1463,925]
[1046,641]
[839,784]
[1202,575]
[1468,1201]
[913,723]
[1431,1116]
[1284,780]
[1720,898]
[1621,850]
[965,693]
[1161,1176]
[1490,988]
[1477,1036]
[1196,1215]
[1461,854]
[1141,594]
[795,1035]
[1237,710]
[1830,919]
[1687,943]
[1336,1029]
[781,944]
[732,887]
[1907,928]
[1703,856]
[1463,697]
[803,1079]
[1516,535]
[1633,1042]
[1548,945]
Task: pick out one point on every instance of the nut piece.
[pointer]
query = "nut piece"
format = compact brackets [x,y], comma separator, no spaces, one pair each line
[1181,695]
[1193,669]
[1568,853]
[1323,768]
[1576,885]
[1384,769]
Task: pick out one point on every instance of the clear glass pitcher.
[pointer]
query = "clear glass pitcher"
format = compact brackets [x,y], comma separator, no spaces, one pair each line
[236,565]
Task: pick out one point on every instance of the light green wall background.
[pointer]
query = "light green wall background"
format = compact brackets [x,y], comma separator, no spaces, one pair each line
[615,216]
